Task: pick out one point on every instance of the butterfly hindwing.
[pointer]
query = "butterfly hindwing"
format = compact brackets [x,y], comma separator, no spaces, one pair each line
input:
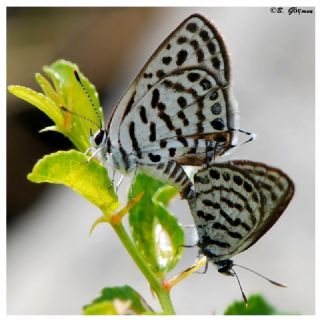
[276,189]
[227,209]
[235,204]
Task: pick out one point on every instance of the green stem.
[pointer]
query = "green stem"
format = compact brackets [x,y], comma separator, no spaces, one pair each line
[163,296]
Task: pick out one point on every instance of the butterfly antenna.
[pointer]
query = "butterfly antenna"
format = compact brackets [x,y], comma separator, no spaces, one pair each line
[262,276]
[244,297]
[80,116]
[76,74]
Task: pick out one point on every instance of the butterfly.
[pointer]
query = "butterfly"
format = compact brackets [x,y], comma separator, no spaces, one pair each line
[178,111]
[235,204]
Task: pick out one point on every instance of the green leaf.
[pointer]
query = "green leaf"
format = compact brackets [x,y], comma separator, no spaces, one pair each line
[42,102]
[155,230]
[82,105]
[72,169]
[118,301]
[257,305]
[48,90]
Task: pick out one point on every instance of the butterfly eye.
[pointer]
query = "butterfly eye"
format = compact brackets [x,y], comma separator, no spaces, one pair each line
[99,137]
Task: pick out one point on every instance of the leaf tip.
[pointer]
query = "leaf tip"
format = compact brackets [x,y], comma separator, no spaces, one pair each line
[98,221]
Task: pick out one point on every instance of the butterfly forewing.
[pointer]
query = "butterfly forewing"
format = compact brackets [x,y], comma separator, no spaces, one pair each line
[235,204]
[177,94]
[180,106]
[196,42]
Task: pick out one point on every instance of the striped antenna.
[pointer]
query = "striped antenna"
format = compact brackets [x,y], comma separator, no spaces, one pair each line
[262,276]
[88,96]
[244,297]
[63,108]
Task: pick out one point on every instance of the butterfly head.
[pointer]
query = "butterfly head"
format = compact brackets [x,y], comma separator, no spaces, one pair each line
[99,138]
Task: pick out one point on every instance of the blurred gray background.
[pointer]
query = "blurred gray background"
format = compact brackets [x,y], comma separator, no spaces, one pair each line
[53,267]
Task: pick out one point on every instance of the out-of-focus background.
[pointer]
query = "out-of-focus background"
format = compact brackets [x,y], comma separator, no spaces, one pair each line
[53,267]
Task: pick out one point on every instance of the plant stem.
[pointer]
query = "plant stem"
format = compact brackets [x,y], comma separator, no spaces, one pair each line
[163,296]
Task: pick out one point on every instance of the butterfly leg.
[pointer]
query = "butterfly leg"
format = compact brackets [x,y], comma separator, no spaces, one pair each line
[133,179]
[119,183]
[205,267]
[173,173]
[211,151]
[113,175]
[207,157]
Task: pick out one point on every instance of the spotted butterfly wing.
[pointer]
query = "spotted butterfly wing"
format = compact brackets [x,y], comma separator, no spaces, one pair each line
[235,204]
[178,108]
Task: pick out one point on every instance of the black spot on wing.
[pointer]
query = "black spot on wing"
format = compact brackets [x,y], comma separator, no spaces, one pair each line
[193,76]
[205,84]
[181,40]
[214,174]
[160,73]
[161,106]
[183,141]
[181,57]
[209,203]
[192,27]
[216,108]
[204,35]
[143,114]
[237,180]
[152,136]
[194,44]
[226,176]
[200,55]
[216,62]
[182,116]
[206,240]
[154,157]
[134,141]
[172,152]
[182,102]
[166,60]
[217,124]
[200,179]
[206,216]
[247,186]
[214,95]
[234,222]
[211,47]
[155,98]
[163,144]
[167,120]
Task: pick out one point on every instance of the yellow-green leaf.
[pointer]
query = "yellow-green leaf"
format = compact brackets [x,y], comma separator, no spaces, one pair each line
[72,169]
[39,100]
[257,305]
[118,301]
[73,107]
[155,230]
